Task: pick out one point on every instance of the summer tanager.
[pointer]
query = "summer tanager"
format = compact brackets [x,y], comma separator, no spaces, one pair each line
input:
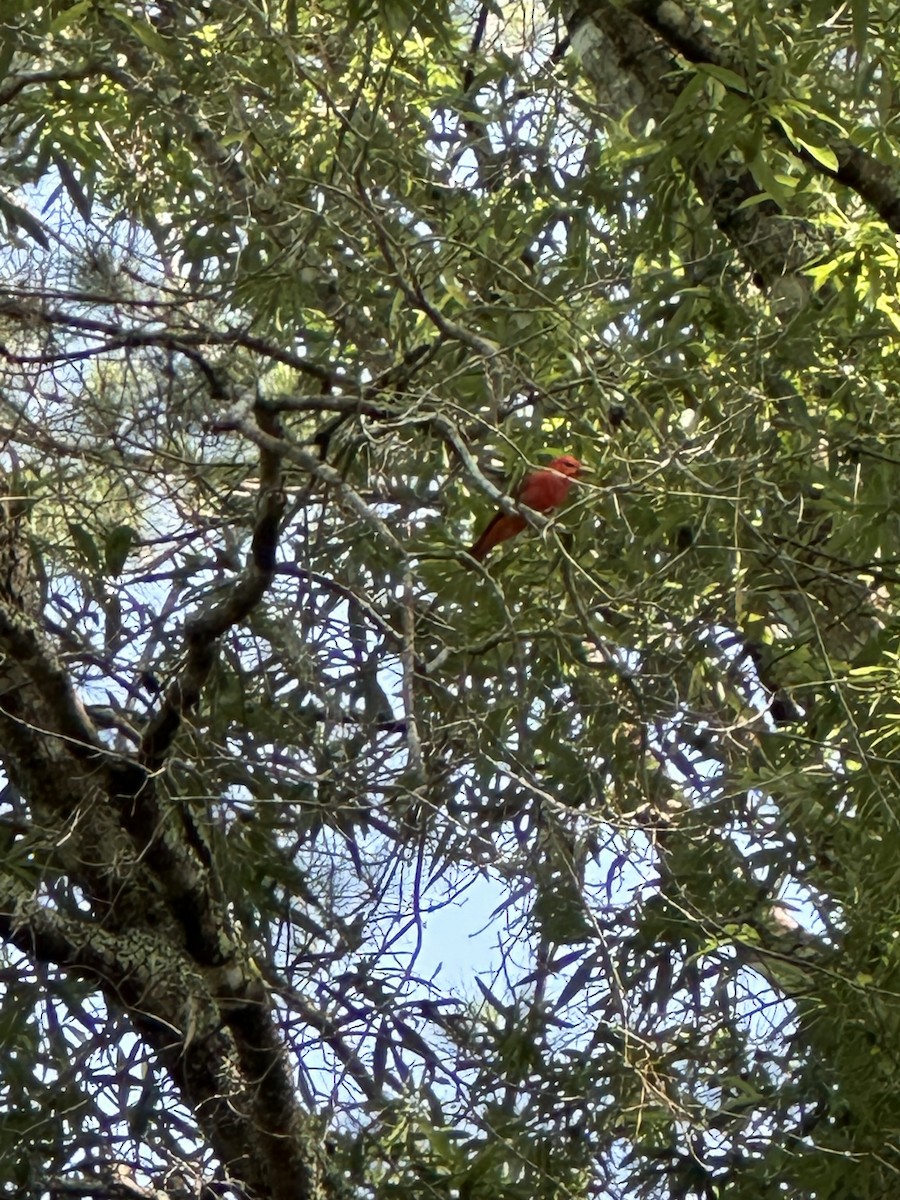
[543,490]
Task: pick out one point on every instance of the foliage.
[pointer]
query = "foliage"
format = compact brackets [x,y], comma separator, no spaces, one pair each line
[294,294]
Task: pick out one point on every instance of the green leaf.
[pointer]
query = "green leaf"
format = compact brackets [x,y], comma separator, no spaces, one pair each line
[19,217]
[73,187]
[70,15]
[144,31]
[577,982]
[823,155]
[686,97]
[769,182]
[7,51]
[724,75]
[118,543]
[85,544]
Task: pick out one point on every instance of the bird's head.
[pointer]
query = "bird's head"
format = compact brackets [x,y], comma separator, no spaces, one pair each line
[566,464]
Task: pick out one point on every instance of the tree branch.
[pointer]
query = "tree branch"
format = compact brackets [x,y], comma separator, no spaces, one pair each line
[203,631]
[873,181]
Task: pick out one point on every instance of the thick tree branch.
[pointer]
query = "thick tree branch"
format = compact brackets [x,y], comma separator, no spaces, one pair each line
[875,182]
[233,1074]
[770,247]
[195,997]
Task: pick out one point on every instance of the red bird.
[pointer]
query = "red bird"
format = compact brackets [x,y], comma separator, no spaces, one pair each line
[543,490]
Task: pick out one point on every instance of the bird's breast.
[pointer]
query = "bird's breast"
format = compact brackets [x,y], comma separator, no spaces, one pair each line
[546,492]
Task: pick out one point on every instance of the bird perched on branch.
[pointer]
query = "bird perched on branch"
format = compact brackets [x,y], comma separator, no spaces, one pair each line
[544,490]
